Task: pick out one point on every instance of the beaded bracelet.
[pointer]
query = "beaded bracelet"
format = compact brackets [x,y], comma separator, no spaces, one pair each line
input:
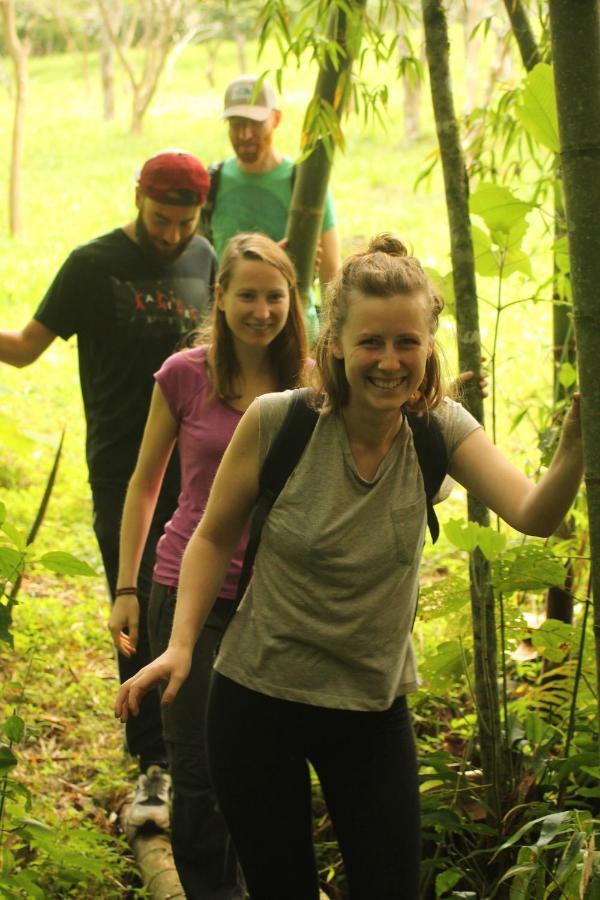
[123,592]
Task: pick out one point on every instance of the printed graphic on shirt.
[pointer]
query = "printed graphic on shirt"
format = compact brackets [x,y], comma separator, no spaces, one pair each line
[156,303]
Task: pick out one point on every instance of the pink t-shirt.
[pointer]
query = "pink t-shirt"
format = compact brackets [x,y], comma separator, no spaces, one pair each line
[205,428]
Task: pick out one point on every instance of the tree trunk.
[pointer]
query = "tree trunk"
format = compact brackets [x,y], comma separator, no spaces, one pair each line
[469,352]
[523,33]
[575,37]
[107,74]
[18,51]
[559,599]
[155,44]
[310,188]
[212,48]
[240,43]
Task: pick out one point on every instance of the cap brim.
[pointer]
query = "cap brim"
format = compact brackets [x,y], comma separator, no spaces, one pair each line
[256,113]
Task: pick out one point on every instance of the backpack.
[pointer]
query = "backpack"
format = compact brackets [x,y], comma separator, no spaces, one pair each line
[206,213]
[289,445]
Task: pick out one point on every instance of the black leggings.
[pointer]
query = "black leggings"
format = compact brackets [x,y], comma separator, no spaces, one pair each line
[258,750]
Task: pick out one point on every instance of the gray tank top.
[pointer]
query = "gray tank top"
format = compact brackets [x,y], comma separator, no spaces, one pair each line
[326,618]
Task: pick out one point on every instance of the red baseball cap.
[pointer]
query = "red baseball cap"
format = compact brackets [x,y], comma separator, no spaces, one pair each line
[175,178]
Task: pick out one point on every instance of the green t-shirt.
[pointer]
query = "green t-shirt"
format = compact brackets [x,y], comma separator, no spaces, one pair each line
[256,202]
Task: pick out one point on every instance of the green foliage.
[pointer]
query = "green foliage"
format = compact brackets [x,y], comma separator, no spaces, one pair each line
[537,108]
[38,860]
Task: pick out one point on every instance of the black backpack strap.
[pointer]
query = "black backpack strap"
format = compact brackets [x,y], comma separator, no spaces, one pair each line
[433,461]
[208,207]
[281,460]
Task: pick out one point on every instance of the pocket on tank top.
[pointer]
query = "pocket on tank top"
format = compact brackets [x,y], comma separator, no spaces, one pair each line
[408,522]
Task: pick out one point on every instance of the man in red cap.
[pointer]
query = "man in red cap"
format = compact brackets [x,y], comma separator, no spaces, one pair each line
[130,296]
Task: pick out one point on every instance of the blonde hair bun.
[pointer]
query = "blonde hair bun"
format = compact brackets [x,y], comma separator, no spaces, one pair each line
[389,244]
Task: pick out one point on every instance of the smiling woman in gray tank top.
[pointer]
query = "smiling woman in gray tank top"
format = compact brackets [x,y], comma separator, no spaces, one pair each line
[317,662]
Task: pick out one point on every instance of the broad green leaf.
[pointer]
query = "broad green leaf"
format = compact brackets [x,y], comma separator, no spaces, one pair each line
[516,260]
[567,375]
[445,881]
[491,542]
[511,239]
[574,763]
[15,535]
[553,639]
[14,728]
[530,567]
[65,563]
[2,512]
[444,598]
[11,563]
[461,534]
[537,112]
[498,207]
[7,760]
[447,660]
[486,261]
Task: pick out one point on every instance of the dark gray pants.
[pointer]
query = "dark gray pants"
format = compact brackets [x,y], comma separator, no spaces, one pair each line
[143,733]
[204,855]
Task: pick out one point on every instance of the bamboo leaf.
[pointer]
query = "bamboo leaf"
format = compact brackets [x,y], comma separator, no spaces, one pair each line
[551,826]
[65,563]
[527,827]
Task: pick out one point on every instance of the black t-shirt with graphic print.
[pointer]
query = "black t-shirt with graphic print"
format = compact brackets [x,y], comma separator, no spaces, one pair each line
[129,313]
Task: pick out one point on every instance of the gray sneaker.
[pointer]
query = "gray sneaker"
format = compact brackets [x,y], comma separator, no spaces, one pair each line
[151,800]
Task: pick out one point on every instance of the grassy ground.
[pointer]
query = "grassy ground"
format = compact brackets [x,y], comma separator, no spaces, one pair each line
[78,182]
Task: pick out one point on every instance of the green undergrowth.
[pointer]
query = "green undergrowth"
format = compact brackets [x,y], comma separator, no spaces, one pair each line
[60,681]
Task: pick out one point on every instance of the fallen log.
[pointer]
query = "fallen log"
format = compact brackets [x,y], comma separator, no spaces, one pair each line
[154,857]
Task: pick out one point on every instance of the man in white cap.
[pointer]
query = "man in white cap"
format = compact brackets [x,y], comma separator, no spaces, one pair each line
[252,190]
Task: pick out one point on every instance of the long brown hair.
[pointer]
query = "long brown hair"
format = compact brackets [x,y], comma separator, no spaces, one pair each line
[288,351]
[383,270]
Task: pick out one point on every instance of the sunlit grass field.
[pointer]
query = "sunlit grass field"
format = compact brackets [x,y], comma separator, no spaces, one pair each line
[78,182]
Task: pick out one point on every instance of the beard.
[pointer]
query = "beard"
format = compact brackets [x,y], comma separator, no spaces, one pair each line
[153,250]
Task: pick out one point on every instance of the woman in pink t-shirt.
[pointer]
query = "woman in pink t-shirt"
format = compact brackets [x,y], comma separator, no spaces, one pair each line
[256,344]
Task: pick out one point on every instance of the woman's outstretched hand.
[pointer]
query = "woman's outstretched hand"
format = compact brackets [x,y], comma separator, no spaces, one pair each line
[570,436]
[172,666]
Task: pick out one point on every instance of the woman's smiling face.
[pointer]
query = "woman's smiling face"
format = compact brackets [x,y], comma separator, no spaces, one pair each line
[256,302]
[384,343]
